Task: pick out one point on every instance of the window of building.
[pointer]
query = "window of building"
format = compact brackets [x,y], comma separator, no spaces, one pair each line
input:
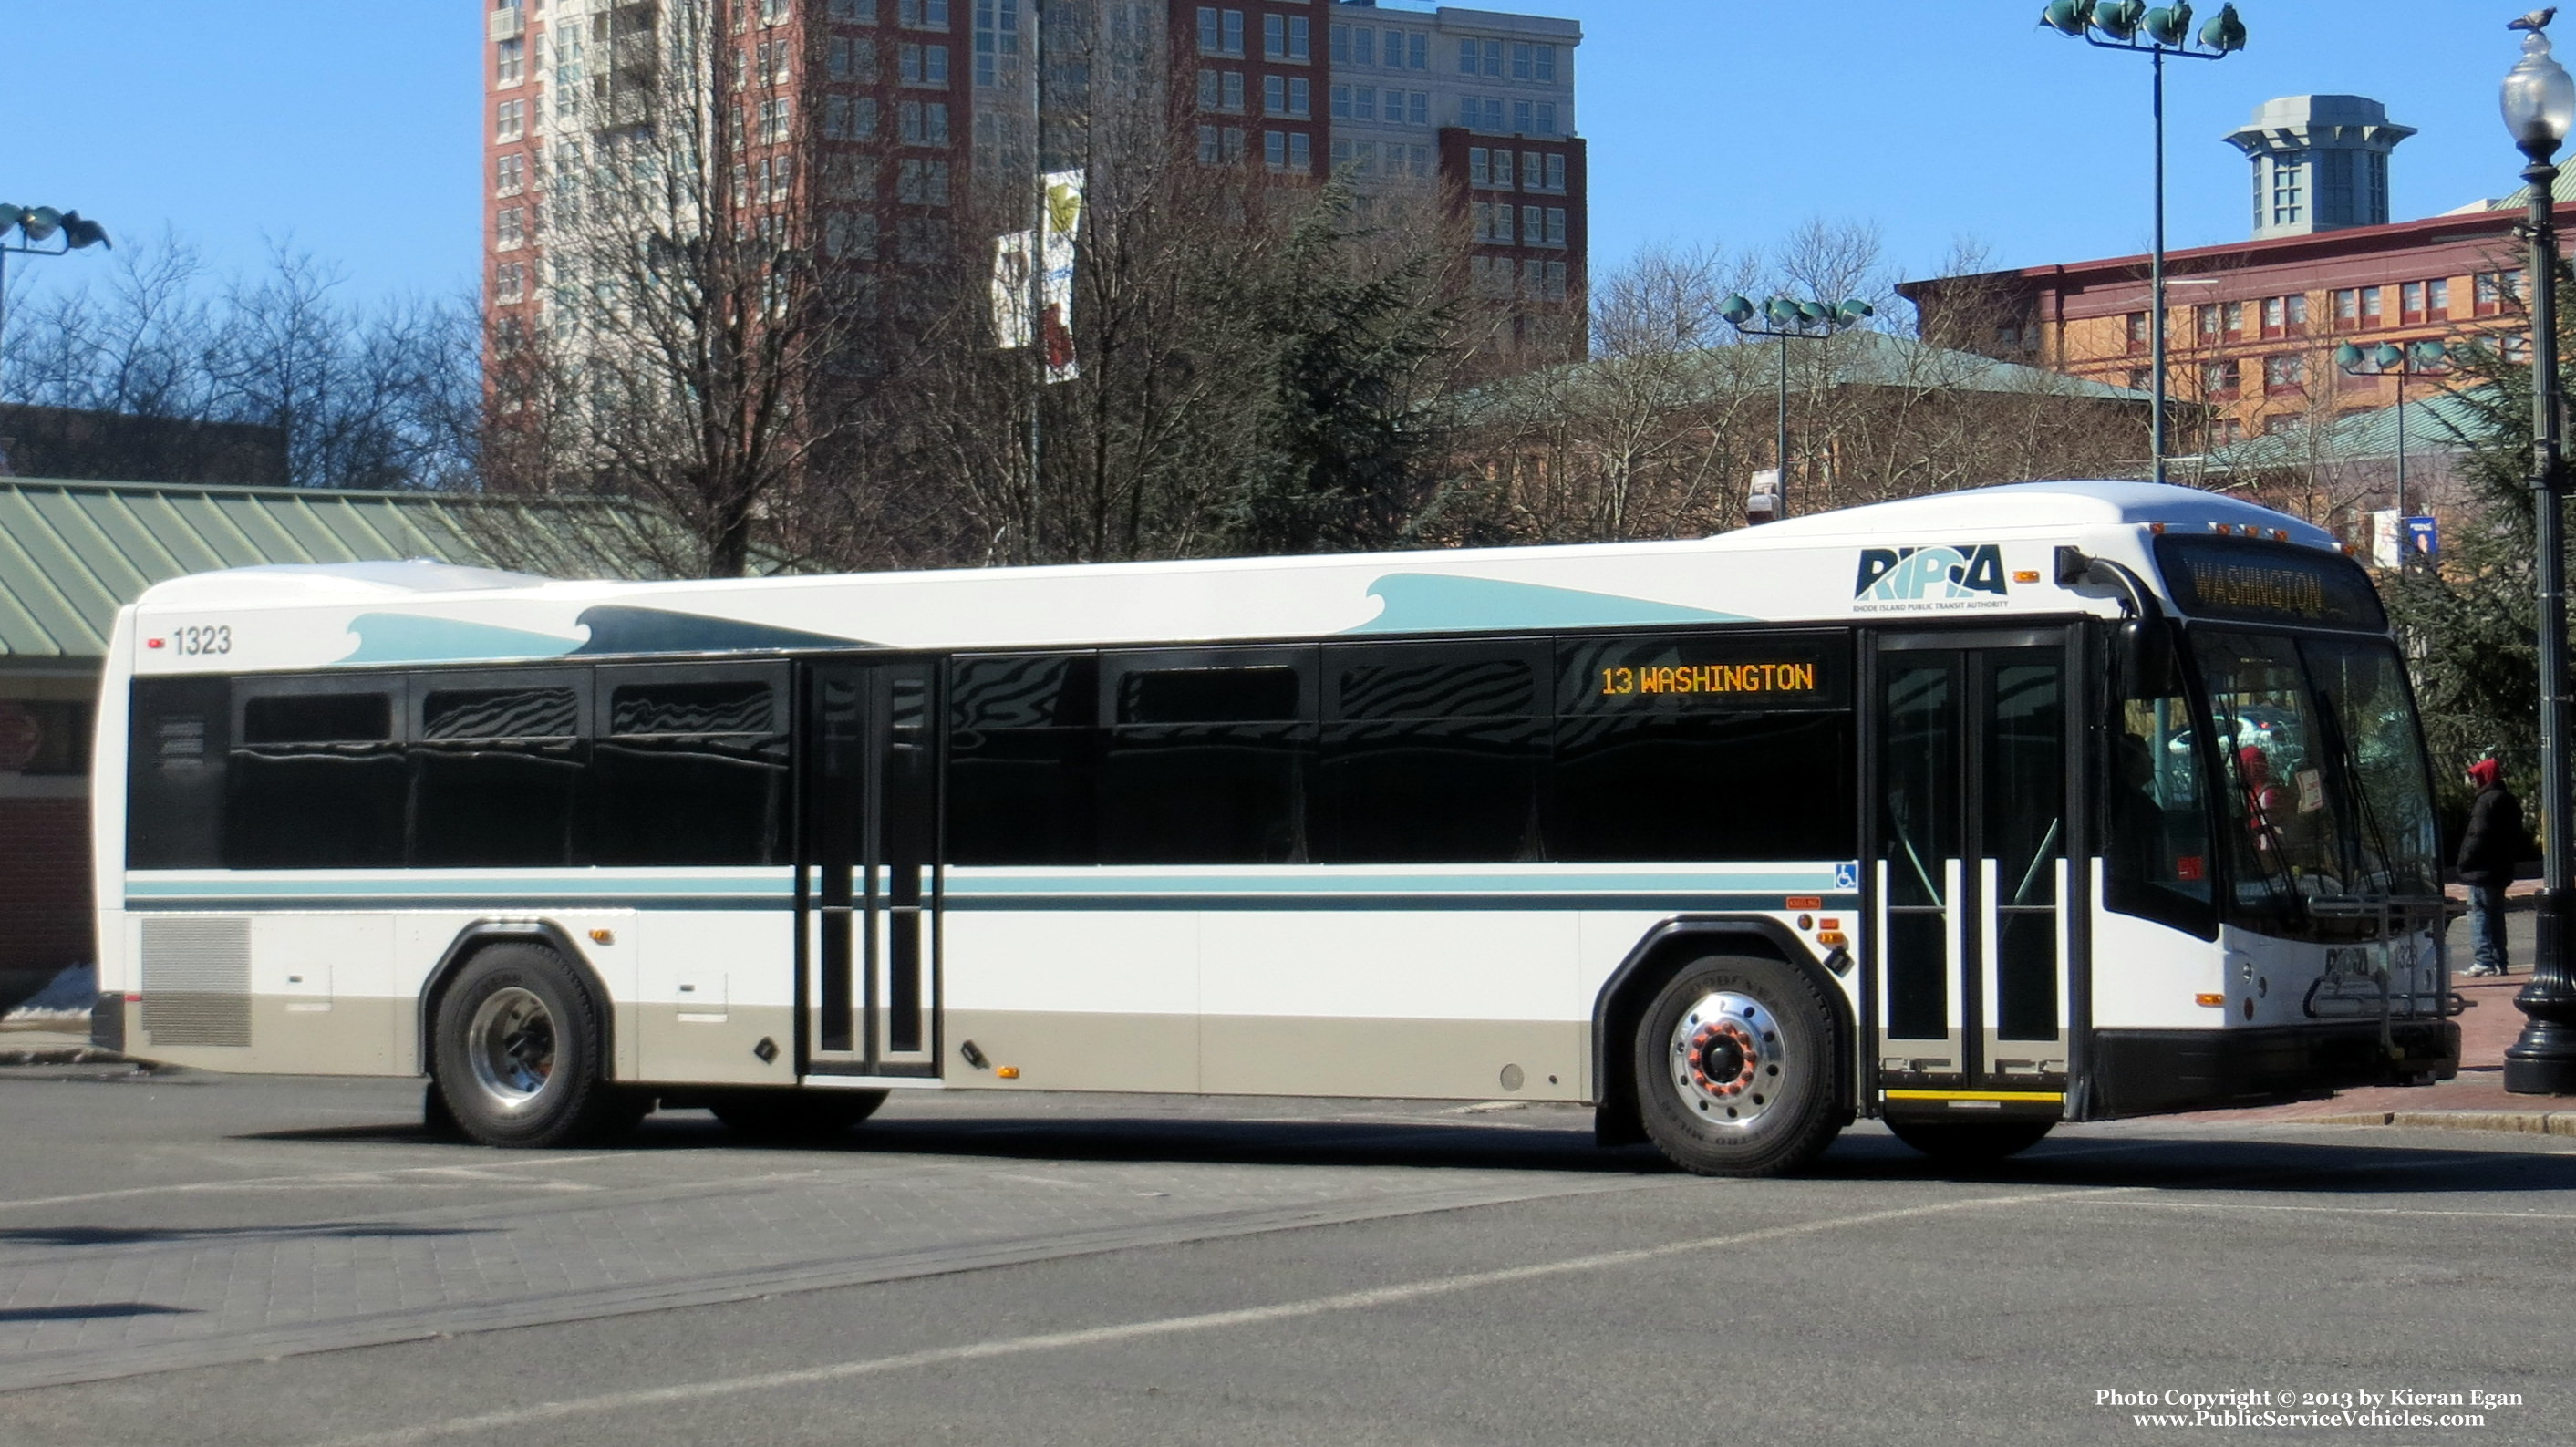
[2218,380]
[2356,308]
[997,41]
[1300,97]
[510,120]
[2204,322]
[922,14]
[1417,50]
[922,183]
[850,235]
[1557,286]
[1417,108]
[2493,290]
[1480,166]
[1274,95]
[510,62]
[1341,96]
[1546,122]
[2288,177]
[774,12]
[2287,372]
[1556,226]
[924,123]
[1274,37]
[1274,150]
[854,12]
[1533,228]
[1364,103]
[510,175]
[2134,326]
[2285,316]
[774,116]
[1301,151]
[508,229]
[1502,169]
[510,282]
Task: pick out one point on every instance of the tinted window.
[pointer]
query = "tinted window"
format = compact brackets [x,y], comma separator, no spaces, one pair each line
[1022,760]
[1734,786]
[1698,747]
[498,776]
[174,780]
[1207,761]
[1432,753]
[689,771]
[317,781]
[1208,695]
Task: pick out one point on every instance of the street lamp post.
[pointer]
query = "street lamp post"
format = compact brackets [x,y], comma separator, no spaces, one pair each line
[2390,360]
[2167,29]
[2539,106]
[35,226]
[1790,319]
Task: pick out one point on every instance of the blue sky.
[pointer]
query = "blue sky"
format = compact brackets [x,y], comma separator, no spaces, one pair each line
[352,127]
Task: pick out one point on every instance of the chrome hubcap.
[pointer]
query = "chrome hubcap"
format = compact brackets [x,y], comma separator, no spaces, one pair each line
[1728,1060]
[511,1045]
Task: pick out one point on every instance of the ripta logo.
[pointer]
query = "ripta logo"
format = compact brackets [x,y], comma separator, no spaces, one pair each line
[1917,575]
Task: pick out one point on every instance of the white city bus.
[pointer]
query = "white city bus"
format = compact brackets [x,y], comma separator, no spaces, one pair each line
[2058,801]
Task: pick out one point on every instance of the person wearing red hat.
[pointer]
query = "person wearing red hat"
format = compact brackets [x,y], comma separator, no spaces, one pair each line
[2490,848]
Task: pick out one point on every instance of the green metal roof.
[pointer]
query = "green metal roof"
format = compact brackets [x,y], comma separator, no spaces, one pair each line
[2435,426]
[72,553]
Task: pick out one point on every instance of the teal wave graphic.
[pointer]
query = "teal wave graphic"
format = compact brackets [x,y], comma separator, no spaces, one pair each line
[409,638]
[1447,603]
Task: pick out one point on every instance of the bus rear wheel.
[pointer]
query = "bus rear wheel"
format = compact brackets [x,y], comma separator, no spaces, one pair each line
[1734,1068]
[518,1054]
[1970,1141]
[794,1115]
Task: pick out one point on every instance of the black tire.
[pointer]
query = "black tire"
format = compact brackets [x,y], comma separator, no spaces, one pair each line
[520,1054]
[1970,1141]
[794,1115]
[1735,1068]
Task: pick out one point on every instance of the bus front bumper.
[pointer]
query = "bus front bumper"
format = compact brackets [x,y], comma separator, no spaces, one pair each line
[2150,1072]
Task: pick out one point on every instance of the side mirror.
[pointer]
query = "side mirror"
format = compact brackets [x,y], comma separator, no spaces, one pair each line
[2145,655]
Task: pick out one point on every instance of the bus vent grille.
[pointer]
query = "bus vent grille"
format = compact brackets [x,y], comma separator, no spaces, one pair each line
[196,981]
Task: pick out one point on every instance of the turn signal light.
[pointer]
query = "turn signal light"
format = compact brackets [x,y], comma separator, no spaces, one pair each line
[2213,1001]
[1832,938]
[602,937]
[2026,575]
[1008,1072]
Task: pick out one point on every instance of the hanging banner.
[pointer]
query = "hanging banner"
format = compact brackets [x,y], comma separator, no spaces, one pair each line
[1063,218]
[1011,254]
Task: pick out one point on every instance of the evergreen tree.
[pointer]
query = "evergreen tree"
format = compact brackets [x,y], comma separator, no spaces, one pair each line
[1338,442]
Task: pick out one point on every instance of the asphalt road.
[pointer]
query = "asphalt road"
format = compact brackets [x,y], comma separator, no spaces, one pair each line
[201,1260]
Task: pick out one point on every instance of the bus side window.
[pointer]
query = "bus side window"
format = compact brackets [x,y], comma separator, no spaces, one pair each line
[174,773]
[1704,747]
[1205,758]
[689,769]
[496,775]
[317,777]
[1022,759]
[1432,753]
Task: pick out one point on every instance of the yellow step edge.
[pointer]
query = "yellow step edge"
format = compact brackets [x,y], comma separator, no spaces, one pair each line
[2034,1095]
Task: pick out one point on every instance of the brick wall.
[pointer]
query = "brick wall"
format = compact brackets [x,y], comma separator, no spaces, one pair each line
[44,883]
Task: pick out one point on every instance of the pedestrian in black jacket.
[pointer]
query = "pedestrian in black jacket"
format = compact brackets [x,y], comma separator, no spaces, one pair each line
[2489,850]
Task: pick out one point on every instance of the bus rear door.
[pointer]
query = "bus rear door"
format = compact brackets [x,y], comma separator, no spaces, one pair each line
[868,893]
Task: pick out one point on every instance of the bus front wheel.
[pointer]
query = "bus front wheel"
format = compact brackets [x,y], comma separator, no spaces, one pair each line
[1734,1066]
[518,1054]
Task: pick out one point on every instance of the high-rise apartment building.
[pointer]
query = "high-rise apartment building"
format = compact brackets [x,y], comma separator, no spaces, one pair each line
[859,112]
[868,119]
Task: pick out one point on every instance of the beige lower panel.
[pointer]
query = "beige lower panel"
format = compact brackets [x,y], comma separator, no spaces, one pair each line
[1432,1059]
[715,1052]
[293,1037]
[1074,1050]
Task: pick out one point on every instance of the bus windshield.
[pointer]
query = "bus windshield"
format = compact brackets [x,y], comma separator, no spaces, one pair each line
[2322,790]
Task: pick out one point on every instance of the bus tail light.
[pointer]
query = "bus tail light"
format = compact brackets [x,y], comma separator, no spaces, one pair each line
[1832,938]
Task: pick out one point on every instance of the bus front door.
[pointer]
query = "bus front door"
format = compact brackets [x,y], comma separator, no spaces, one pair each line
[868,892]
[1969,823]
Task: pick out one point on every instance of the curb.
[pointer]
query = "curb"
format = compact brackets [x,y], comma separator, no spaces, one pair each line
[2521,1122]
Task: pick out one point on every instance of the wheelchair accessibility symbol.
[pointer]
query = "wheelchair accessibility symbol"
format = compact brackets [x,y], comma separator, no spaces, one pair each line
[1846,876]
